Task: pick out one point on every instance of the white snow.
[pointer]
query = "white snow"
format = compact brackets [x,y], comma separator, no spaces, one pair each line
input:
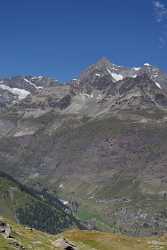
[109,71]
[134,76]
[137,68]
[116,66]
[32,84]
[147,64]
[21,93]
[37,77]
[98,75]
[156,75]
[158,85]
[115,76]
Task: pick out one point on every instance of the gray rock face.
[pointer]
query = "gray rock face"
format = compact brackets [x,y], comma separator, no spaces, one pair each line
[6,98]
[122,88]
[104,83]
[64,244]
[15,89]
[30,83]
[5,229]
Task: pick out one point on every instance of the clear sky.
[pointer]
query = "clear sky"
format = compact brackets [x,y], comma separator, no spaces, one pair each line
[59,38]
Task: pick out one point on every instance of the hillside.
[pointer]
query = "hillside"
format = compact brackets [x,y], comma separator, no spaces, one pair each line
[29,208]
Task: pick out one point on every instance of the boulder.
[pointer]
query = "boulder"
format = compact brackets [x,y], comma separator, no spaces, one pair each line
[5,229]
[64,244]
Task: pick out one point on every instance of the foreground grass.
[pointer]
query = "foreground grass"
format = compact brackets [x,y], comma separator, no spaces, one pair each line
[83,240]
[107,241]
[27,238]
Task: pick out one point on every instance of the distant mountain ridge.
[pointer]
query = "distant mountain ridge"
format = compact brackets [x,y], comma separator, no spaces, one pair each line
[102,83]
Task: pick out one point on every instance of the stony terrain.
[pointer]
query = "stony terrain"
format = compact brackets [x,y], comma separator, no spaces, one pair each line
[98,142]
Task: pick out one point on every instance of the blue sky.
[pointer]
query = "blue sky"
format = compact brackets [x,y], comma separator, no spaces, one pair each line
[59,38]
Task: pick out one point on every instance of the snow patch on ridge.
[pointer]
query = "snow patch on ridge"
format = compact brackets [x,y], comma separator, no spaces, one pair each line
[37,77]
[147,64]
[21,93]
[158,85]
[115,76]
[137,68]
[32,84]
[134,76]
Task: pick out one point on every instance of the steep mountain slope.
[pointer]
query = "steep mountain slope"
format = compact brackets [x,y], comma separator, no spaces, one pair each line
[98,142]
[31,208]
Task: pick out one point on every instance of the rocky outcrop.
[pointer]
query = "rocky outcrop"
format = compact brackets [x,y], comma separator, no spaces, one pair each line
[64,244]
[5,229]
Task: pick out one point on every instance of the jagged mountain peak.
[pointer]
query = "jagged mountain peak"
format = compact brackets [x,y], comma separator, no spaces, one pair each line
[104,61]
[102,65]
[138,87]
[104,68]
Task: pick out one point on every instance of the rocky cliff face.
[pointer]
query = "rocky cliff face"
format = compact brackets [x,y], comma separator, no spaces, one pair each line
[101,82]
[99,142]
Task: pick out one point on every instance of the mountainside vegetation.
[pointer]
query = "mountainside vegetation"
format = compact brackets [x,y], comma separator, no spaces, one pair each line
[30,208]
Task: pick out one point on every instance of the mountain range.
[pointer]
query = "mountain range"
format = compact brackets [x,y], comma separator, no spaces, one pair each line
[98,143]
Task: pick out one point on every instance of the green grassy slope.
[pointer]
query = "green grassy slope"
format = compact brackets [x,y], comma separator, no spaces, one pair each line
[24,205]
[83,240]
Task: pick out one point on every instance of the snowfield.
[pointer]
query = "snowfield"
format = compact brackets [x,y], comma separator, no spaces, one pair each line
[21,93]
